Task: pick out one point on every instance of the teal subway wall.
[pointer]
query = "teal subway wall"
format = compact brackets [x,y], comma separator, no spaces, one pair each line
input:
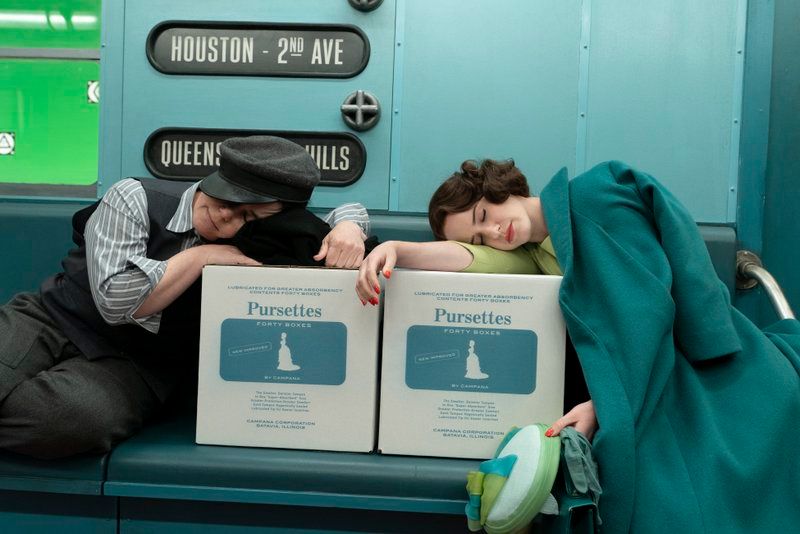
[781,252]
[702,95]
[550,83]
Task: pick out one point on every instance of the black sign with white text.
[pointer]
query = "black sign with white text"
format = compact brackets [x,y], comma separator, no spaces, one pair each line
[256,49]
[190,154]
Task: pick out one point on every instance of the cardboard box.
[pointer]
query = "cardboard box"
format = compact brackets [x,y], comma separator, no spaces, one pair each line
[465,358]
[288,358]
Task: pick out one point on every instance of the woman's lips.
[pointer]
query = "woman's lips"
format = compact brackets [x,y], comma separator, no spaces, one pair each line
[510,233]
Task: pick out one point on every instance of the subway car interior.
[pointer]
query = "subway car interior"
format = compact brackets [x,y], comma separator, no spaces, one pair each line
[388,98]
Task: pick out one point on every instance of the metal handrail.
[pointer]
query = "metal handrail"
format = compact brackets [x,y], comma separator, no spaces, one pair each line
[750,271]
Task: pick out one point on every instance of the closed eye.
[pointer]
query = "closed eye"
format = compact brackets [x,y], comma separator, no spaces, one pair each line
[477,239]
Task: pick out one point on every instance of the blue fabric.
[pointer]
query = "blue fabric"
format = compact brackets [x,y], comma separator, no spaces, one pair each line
[695,404]
[473,508]
[499,466]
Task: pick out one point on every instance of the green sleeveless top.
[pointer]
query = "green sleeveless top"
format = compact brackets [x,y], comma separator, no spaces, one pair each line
[531,258]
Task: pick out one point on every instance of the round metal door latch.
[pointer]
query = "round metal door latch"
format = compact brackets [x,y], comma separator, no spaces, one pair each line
[361,110]
[365,5]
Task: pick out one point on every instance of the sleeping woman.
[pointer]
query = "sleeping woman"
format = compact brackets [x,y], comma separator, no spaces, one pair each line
[691,405]
[483,204]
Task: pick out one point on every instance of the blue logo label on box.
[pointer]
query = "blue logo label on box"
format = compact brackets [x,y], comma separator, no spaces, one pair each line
[487,360]
[297,352]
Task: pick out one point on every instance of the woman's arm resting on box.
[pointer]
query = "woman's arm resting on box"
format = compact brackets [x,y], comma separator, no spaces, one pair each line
[183,269]
[433,256]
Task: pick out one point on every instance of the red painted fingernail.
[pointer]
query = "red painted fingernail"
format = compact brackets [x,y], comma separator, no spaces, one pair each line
[374,301]
[549,433]
[378,290]
[363,302]
[387,274]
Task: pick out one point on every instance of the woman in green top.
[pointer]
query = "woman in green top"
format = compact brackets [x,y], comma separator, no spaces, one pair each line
[696,403]
[487,222]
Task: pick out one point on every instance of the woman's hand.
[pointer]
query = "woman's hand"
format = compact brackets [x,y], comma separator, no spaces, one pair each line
[343,247]
[381,259]
[432,256]
[582,417]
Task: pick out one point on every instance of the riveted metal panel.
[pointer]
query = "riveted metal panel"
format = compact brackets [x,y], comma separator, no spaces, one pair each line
[664,95]
[486,80]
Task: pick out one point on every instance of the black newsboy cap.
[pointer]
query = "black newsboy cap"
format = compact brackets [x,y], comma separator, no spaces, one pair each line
[262,168]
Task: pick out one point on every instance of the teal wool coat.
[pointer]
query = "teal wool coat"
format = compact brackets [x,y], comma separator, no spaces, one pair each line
[699,410]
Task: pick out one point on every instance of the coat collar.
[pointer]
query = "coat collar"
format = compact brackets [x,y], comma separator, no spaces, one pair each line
[555,205]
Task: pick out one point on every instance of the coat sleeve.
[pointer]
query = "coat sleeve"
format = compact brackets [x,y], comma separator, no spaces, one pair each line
[703,326]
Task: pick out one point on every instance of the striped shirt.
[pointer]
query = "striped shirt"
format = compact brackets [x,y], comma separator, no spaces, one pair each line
[121,276]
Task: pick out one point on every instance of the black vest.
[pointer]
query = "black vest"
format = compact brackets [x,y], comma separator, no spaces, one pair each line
[160,357]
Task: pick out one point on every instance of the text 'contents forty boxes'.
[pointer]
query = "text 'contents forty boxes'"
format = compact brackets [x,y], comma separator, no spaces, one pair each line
[288,358]
[465,358]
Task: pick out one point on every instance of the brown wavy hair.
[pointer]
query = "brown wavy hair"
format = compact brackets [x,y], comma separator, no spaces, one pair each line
[491,179]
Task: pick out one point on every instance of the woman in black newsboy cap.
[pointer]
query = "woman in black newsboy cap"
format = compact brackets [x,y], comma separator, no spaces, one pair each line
[107,340]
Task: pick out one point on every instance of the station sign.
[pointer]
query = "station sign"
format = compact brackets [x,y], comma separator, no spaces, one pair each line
[7,143]
[193,153]
[258,49]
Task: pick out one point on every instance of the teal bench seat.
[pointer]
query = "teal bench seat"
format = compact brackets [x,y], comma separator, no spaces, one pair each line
[81,475]
[161,481]
[163,462]
[45,496]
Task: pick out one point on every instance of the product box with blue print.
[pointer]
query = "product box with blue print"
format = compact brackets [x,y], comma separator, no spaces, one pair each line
[465,358]
[288,358]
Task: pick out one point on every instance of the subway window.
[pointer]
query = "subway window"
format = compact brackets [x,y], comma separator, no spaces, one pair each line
[49,97]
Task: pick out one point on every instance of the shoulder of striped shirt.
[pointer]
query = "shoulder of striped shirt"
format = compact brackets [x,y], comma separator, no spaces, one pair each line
[127,186]
[128,195]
